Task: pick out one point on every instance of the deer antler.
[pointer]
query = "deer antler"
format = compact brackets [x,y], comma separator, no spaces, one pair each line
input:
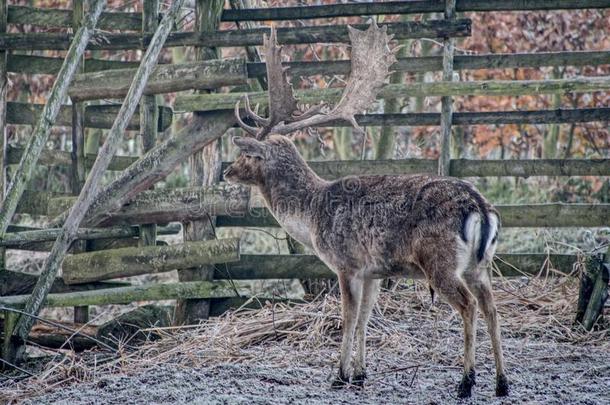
[371,61]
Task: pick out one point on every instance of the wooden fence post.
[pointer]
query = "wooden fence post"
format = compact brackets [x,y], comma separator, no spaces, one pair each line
[149,114]
[40,133]
[205,169]
[78,175]
[3,140]
[92,185]
[444,158]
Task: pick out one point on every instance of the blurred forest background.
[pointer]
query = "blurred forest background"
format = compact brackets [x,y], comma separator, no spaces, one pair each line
[498,32]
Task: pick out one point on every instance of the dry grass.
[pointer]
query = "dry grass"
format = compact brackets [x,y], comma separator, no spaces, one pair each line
[541,307]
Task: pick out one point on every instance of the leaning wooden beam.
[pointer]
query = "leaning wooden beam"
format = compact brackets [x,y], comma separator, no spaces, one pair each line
[256,267]
[553,215]
[162,206]
[400,7]
[25,238]
[158,163]
[96,116]
[229,38]
[92,185]
[206,102]
[133,261]
[126,295]
[40,133]
[164,79]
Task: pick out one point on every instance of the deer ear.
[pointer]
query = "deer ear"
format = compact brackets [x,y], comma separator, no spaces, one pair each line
[250,146]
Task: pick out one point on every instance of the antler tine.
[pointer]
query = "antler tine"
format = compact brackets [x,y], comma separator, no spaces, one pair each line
[257,118]
[249,129]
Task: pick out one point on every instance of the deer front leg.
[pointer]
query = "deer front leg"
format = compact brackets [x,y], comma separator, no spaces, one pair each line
[351,291]
[370,289]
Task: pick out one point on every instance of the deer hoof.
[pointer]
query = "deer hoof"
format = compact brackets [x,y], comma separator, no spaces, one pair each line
[465,386]
[358,379]
[339,383]
[502,386]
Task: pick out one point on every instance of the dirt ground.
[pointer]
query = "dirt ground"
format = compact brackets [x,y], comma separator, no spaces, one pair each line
[288,354]
[581,376]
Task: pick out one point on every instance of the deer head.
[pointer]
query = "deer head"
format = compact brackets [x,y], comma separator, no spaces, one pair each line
[371,58]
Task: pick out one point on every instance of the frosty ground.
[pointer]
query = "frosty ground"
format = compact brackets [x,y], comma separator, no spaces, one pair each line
[286,354]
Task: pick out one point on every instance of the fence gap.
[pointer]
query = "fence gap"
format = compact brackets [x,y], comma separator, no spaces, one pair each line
[205,170]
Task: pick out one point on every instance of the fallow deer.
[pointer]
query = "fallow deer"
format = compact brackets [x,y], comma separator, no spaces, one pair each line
[367,227]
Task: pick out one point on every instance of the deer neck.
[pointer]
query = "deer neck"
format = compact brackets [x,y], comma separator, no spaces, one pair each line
[291,196]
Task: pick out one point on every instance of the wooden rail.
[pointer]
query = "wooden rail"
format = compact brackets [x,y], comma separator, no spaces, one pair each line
[555,215]
[256,267]
[401,7]
[254,36]
[29,64]
[46,17]
[126,295]
[208,102]
[96,116]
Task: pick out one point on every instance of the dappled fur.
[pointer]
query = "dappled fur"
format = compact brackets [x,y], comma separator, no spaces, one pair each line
[365,227]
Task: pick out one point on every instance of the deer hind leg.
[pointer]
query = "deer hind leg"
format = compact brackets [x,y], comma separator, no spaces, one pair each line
[370,290]
[480,285]
[351,291]
[454,290]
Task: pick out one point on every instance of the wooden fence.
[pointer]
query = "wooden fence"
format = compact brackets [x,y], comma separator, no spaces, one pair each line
[126,215]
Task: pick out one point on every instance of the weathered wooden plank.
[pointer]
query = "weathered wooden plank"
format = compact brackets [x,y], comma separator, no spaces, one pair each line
[164,79]
[133,21]
[62,158]
[126,295]
[206,102]
[92,185]
[519,215]
[25,238]
[134,261]
[53,18]
[96,116]
[162,206]
[30,64]
[400,7]
[16,283]
[460,62]
[253,36]
[257,267]
[463,167]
